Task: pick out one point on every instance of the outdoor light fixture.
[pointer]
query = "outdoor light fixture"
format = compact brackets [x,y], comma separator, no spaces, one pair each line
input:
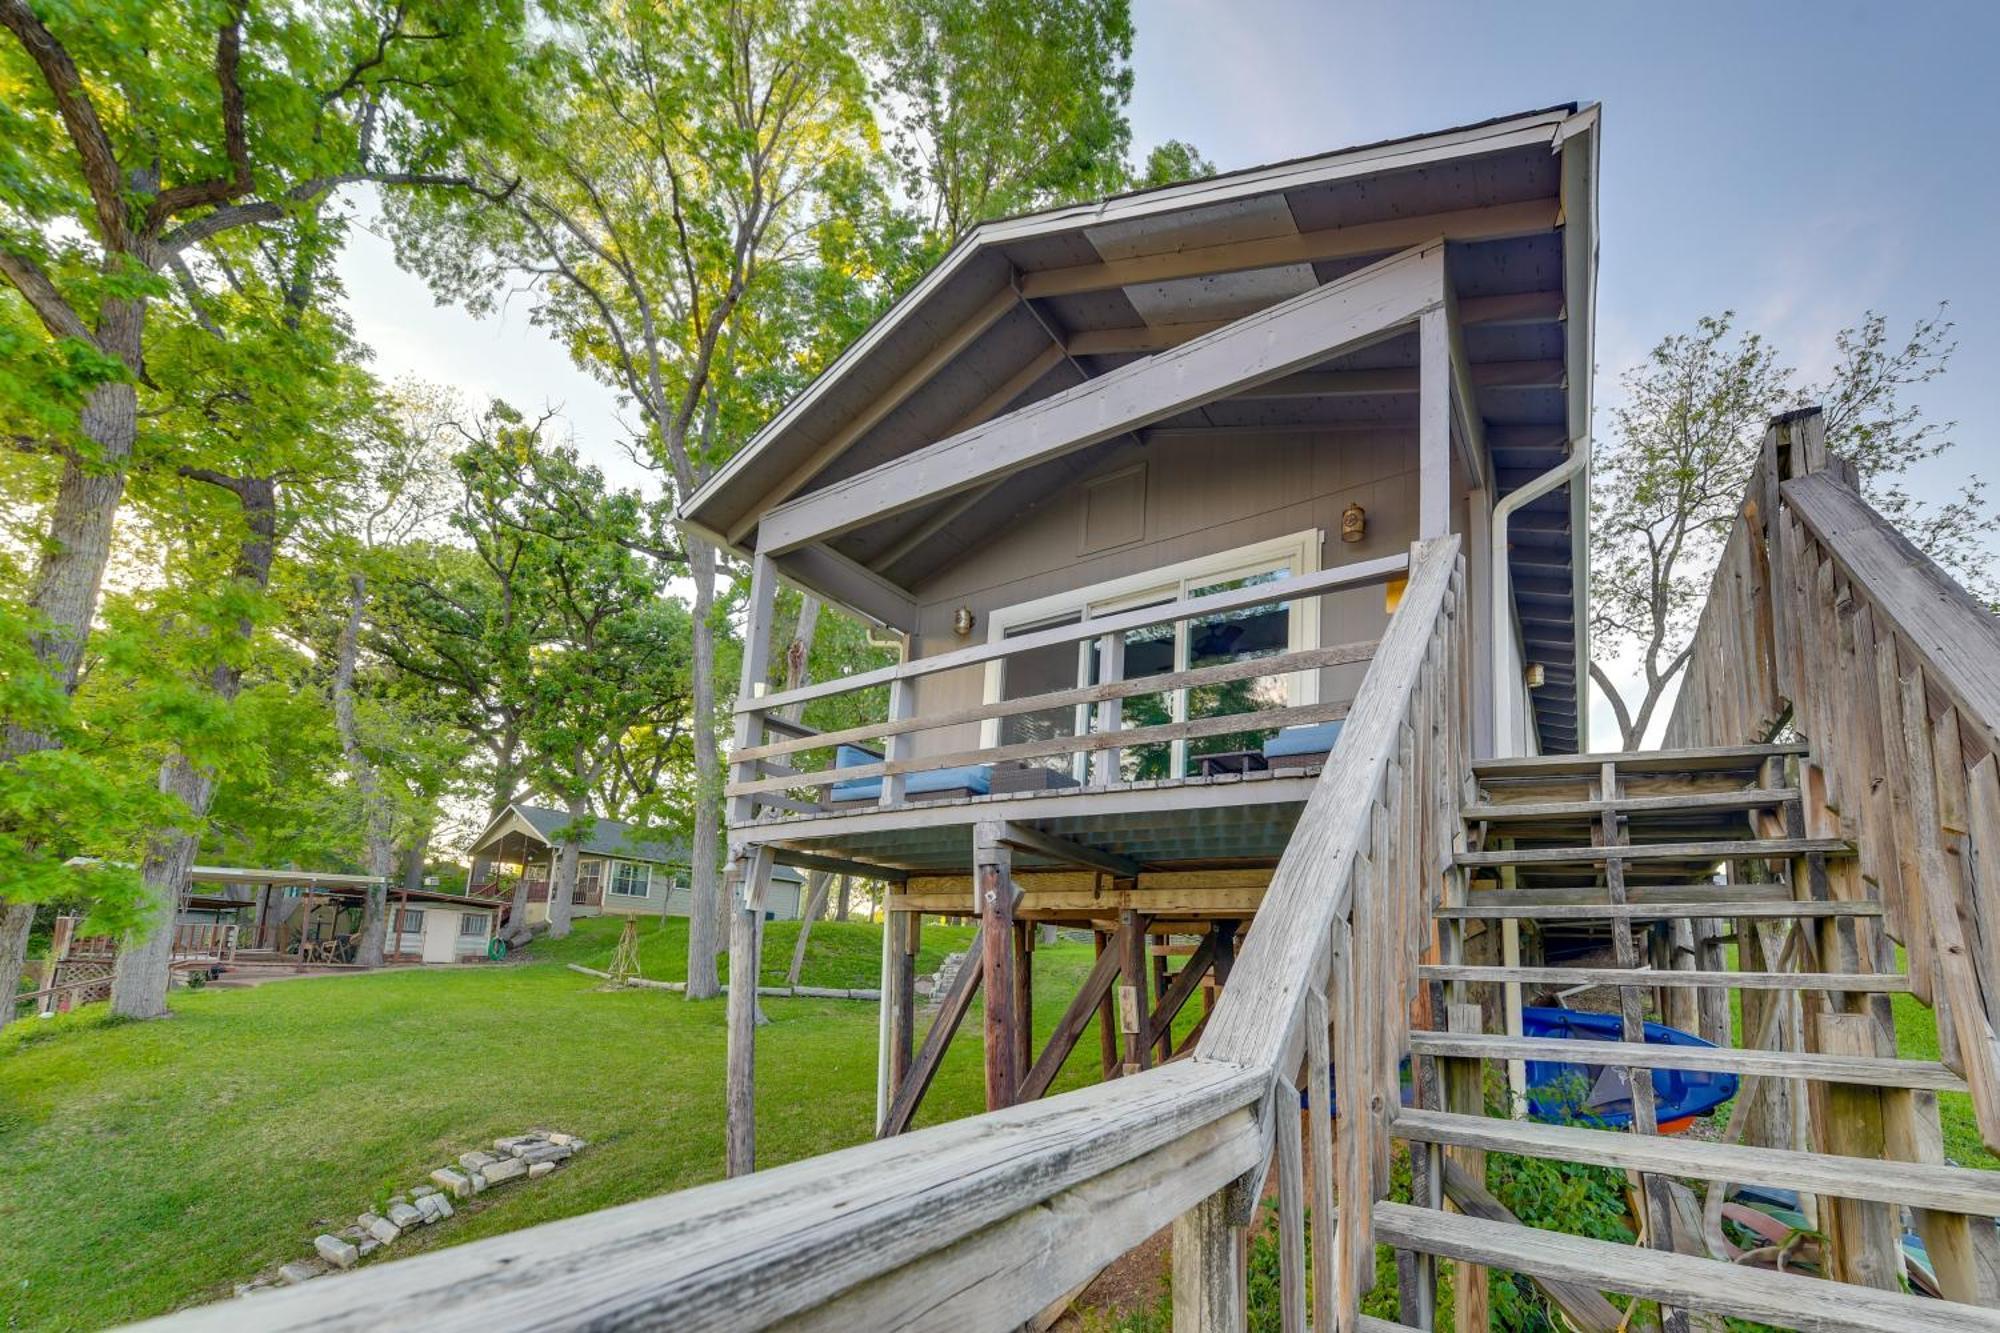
[1392,594]
[1353,523]
[1535,675]
[961,621]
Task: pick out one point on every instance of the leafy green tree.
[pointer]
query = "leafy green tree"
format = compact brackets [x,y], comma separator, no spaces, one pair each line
[612,653]
[735,124]
[1667,488]
[1002,106]
[137,142]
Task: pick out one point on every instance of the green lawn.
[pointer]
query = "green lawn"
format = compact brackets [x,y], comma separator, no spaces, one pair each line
[149,1165]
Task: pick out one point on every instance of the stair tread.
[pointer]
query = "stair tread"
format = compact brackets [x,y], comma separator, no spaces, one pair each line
[1494,906]
[1788,1300]
[1867,1071]
[1882,982]
[1955,1189]
[1742,849]
[1749,798]
[1703,759]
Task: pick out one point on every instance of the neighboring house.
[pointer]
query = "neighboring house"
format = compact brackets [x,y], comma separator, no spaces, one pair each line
[620,872]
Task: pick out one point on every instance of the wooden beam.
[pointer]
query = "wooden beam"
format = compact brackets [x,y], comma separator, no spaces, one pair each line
[1404,380]
[837,865]
[1029,838]
[1089,1000]
[1494,311]
[1292,335]
[941,354]
[846,583]
[1495,222]
[951,1011]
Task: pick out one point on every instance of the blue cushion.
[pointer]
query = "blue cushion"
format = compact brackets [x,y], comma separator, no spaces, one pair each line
[1317,739]
[976,778]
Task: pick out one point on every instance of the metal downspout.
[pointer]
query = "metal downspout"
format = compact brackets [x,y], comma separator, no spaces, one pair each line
[1506,687]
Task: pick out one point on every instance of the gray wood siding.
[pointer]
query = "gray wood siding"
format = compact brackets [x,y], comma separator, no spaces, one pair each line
[1203,495]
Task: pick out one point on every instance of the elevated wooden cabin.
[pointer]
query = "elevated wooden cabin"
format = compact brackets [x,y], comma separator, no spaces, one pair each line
[1135,483]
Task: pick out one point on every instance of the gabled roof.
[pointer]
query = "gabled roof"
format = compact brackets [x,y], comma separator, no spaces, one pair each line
[608,837]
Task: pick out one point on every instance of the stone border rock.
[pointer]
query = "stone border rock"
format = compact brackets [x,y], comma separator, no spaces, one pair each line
[529,1156]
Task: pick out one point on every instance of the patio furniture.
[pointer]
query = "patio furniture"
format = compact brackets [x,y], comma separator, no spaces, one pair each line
[939,784]
[1295,748]
[1028,777]
[1232,761]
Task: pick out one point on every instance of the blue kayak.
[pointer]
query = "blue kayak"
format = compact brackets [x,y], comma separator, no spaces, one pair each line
[1559,1091]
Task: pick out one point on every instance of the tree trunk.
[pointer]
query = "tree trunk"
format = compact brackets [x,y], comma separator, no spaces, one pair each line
[69,573]
[846,899]
[705,905]
[141,974]
[378,848]
[816,884]
[562,883]
[517,910]
[16,920]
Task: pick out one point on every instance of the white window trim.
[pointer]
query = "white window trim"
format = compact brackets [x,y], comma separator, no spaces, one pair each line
[1170,581]
[611,888]
[478,918]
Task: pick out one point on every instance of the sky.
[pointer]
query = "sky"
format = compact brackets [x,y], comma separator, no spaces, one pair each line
[1798,163]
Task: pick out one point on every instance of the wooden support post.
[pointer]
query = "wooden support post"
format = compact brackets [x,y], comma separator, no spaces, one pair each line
[749,875]
[1107,1012]
[1132,1008]
[1464,1094]
[1659,1200]
[1291,1170]
[899,991]
[902,703]
[1163,1022]
[1210,1284]
[1864,1245]
[1433,424]
[1024,1000]
[993,885]
[1964,1251]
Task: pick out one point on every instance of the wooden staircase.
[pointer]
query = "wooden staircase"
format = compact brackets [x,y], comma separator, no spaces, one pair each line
[1664,860]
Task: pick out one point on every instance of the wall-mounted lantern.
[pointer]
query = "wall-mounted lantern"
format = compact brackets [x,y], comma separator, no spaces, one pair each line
[961,621]
[1353,523]
[1536,675]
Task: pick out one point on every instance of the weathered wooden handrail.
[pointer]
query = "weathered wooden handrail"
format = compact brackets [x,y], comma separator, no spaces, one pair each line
[1332,987]
[1823,615]
[984,1222]
[1357,575]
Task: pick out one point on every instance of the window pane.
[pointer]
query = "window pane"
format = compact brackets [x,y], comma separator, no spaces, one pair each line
[1234,636]
[1040,671]
[1148,651]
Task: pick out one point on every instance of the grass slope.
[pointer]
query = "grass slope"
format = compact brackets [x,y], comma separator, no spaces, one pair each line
[145,1166]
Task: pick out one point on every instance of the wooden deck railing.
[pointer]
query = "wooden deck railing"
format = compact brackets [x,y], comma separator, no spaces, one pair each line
[761,777]
[985,1222]
[1825,617]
